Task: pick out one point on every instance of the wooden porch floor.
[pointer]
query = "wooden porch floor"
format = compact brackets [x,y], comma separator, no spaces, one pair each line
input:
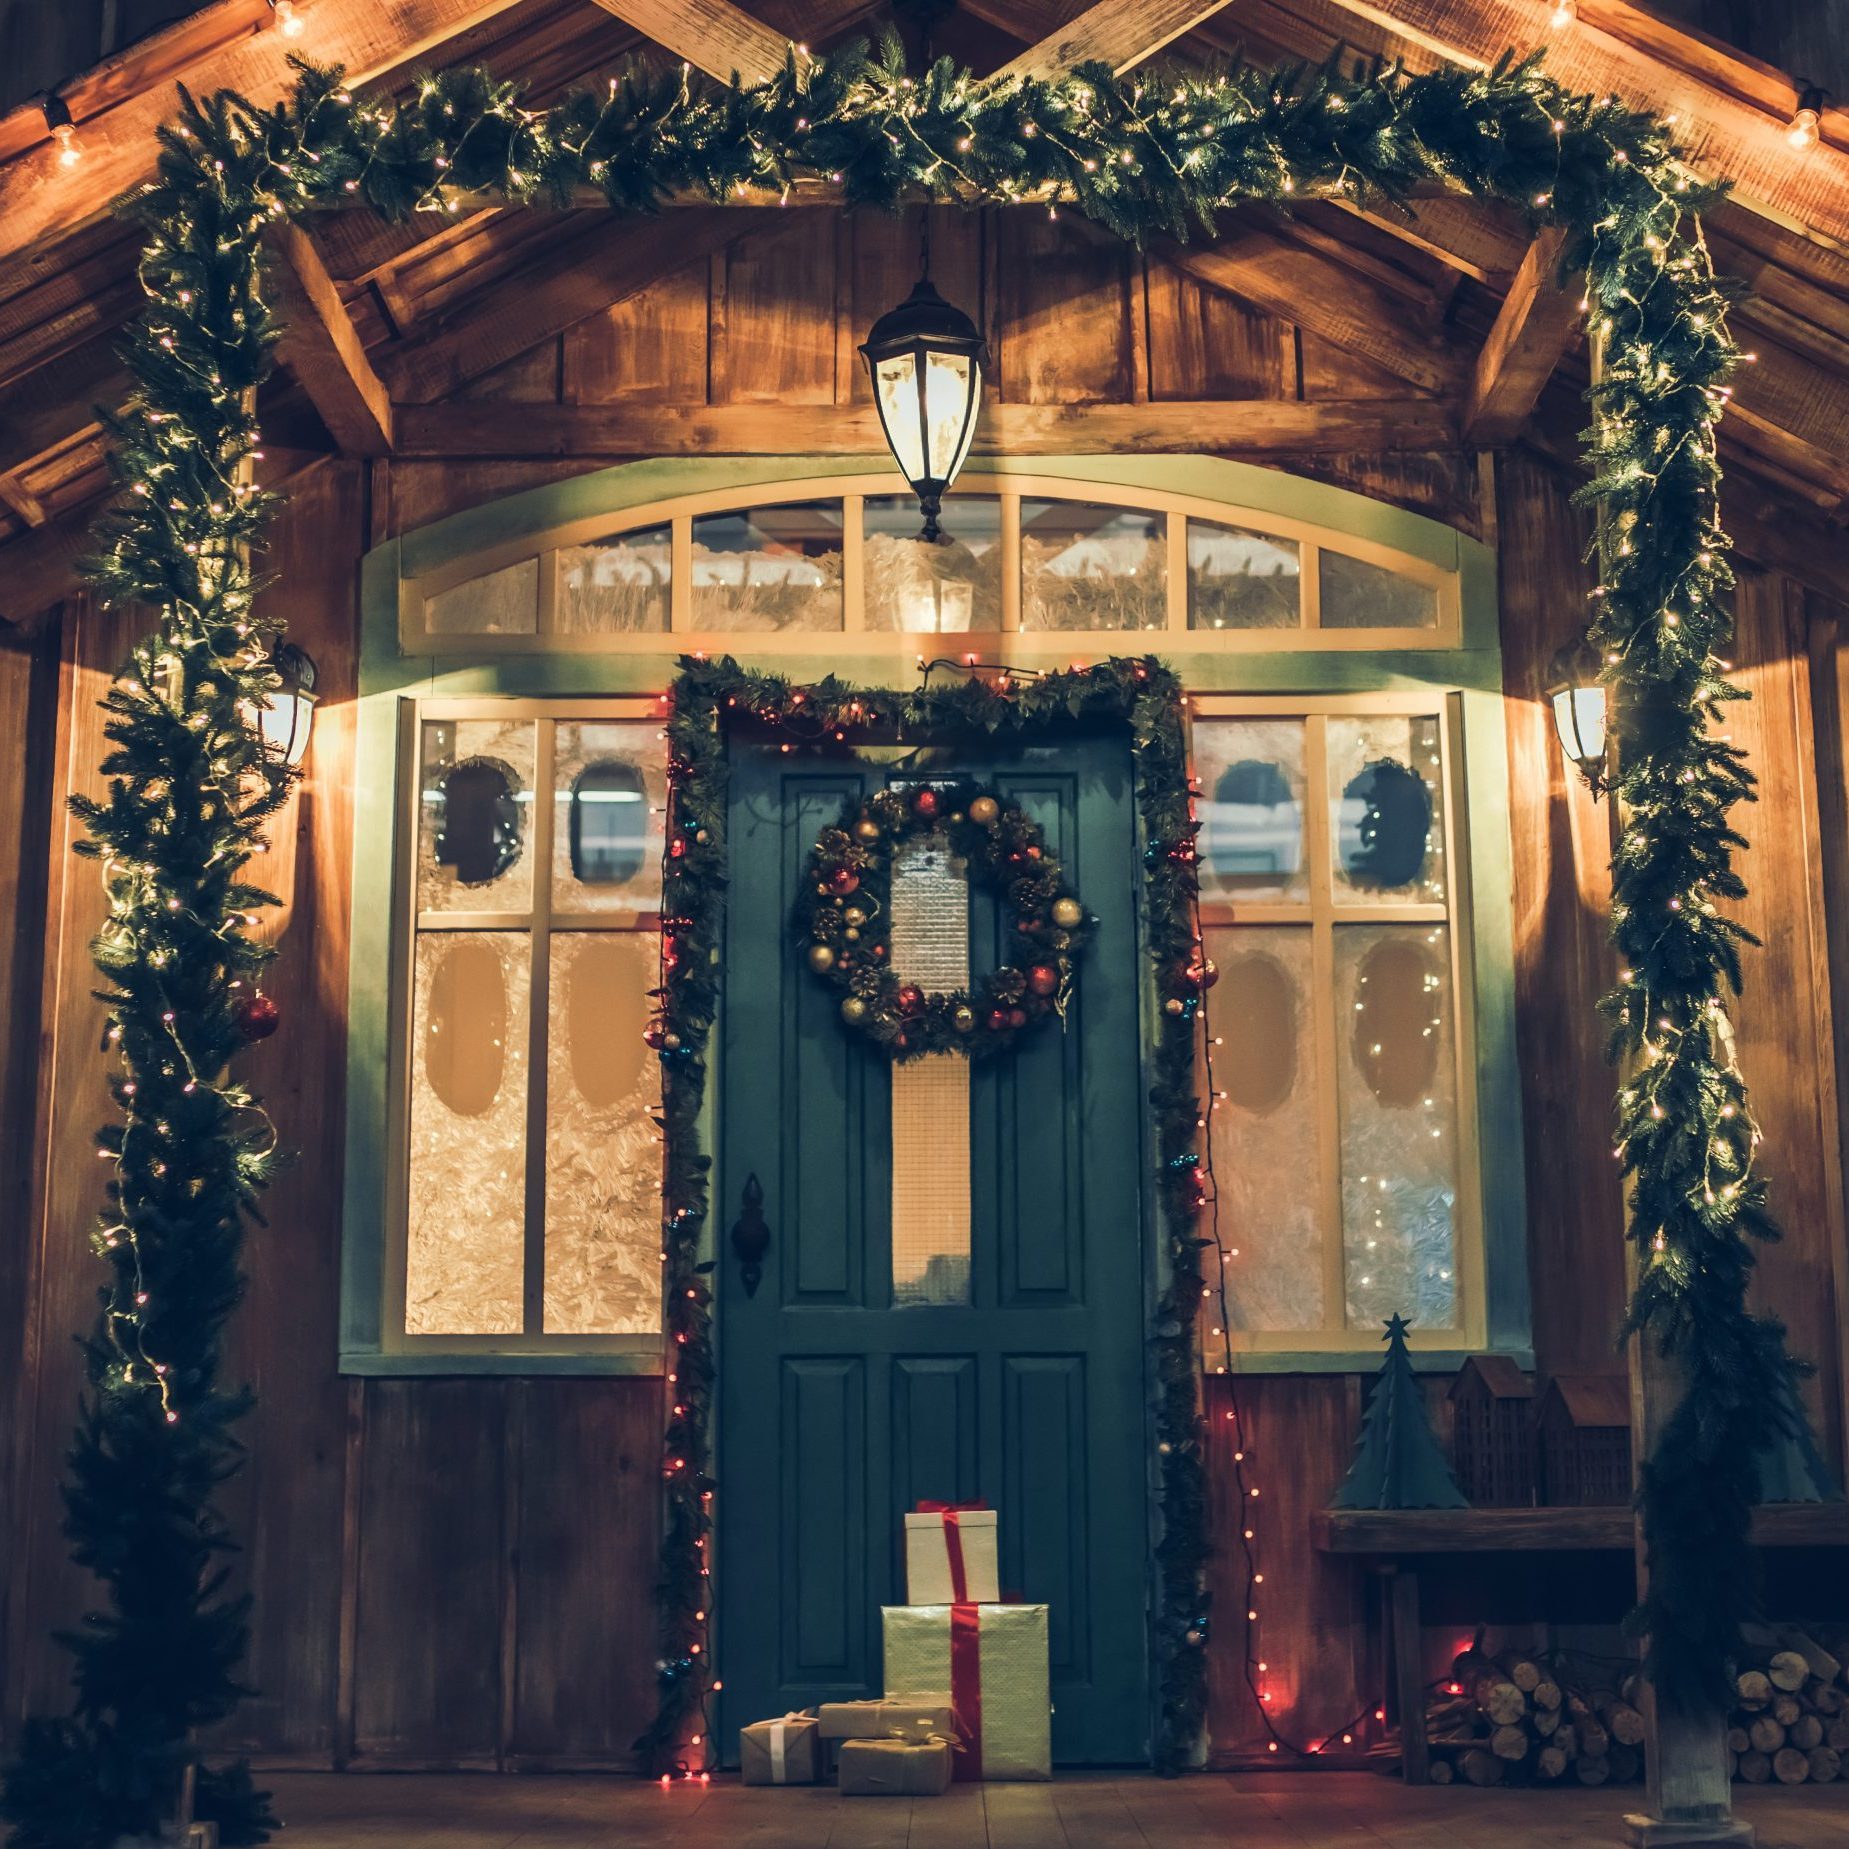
[1337,1810]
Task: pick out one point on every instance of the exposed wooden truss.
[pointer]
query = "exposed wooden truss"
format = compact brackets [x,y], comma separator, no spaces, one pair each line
[1120,33]
[319,346]
[713,36]
[1537,321]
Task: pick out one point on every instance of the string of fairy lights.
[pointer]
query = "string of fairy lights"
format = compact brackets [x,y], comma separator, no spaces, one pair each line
[1154,151]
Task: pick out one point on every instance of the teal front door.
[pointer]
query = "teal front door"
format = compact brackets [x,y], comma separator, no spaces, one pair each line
[952,1302]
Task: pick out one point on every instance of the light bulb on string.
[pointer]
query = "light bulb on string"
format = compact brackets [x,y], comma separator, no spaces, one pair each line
[1564,13]
[288,21]
[1806,126]
[63,130]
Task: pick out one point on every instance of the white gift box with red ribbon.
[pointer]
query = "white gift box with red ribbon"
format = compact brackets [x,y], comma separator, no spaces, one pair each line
[952,1556]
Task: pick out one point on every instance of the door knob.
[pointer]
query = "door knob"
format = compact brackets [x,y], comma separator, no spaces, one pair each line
[751,1236]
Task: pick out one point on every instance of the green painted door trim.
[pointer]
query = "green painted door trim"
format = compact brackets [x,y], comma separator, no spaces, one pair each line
[390,681]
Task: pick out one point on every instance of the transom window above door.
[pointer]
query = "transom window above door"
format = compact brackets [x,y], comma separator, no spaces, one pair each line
[805,562]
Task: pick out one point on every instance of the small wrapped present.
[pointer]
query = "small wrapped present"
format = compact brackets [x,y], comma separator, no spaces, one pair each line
[896,1717]
[995,1659]
[951,1554]
[894,1768]
[780,1752]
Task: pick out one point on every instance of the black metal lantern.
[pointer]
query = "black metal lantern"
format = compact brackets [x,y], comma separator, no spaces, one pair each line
[1578,698]
[926,360]
[286,718]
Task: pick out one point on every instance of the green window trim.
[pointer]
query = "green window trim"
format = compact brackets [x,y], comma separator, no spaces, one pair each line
[392,680]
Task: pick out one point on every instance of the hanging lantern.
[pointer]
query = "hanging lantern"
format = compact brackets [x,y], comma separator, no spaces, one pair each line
[288,716]
[926,361]
[1578,698]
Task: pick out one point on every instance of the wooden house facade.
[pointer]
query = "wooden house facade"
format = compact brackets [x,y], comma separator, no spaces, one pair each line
[1325,465]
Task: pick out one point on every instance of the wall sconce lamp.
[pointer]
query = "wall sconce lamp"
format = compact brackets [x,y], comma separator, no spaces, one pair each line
[288,716]
[1577,696]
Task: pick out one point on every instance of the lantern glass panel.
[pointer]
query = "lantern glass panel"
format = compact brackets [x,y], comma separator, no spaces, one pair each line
[952,383]
[1579,718]
[897,380]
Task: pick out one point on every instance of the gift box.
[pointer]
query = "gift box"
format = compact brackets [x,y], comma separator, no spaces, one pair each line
[951,1555]
[994,1657]
[895,1768]
[780,1752]
[896,1717]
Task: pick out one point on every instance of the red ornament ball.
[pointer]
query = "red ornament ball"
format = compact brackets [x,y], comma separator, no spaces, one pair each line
[842,881]
[998,1020]
[1043,979]
[1017,1017]
[257,1016]
[910,999]
[926,803]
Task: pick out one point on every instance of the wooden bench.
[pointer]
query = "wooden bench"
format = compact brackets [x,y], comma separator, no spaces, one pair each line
[1396,1538]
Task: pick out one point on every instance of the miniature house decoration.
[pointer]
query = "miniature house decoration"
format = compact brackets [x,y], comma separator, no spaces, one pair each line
[1492,1432]
[1585,1429]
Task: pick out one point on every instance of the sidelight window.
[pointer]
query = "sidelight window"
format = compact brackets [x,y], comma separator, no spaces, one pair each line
[1341,1124]
[528,1154]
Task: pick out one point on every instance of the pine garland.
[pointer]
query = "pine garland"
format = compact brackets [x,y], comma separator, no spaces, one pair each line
[1152,152]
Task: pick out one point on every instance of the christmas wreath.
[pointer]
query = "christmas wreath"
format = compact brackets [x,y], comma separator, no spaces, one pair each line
[845,920]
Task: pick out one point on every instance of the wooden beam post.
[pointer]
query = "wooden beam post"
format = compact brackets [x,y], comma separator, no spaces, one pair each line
[1532,330]
[1120,33]
[321,347]
[713,36]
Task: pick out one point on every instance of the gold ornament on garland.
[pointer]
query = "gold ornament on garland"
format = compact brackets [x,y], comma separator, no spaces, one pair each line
[849,945]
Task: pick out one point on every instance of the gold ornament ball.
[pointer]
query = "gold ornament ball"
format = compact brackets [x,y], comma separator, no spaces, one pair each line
[867,829]
[964,1020]
[1068,913]
[1172,1005]
[855,915]
[853,1010]
[984,810]
[821,958]
[852,934]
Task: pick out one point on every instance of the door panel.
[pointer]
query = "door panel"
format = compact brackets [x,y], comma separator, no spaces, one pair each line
[840,1411]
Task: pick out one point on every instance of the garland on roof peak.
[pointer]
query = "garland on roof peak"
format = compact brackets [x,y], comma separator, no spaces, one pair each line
[1155,151]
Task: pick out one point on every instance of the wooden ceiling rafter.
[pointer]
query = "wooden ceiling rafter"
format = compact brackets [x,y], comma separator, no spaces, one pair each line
[713,36]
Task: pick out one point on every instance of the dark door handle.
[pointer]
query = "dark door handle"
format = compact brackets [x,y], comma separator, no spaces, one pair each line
[751,1236]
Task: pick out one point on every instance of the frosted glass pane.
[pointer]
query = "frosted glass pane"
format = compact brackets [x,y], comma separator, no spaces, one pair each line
[1251,808]
[1397,1092]
[615,586]
[1357,595]
[1241,580]
[503,603]
[465,1240]
[1266,1155]
[475,815]
[1386,809]
[1085,566]
[768,568]
[609,796]
[603,1156]
[930,1096]
[917,585]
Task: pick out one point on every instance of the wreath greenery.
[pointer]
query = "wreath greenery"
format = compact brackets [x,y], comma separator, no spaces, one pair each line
[845,917]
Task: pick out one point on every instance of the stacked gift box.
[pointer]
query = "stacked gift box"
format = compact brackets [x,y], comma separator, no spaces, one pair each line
[966,1681]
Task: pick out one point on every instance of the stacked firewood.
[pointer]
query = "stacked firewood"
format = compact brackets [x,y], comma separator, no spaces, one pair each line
[1791,1719]
[1518,1720]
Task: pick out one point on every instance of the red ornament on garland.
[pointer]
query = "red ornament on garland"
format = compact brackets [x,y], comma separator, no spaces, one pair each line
[925,803]
[910,999]
[1043,979]
[257,1016]
[842,881]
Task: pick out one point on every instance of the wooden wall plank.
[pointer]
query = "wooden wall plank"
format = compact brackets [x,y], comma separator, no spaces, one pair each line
[1563,959]
[779,335]
[427,1667]
[1065,310]
[585,1635]
[286,1506]
[650,349]
[1204,344]
[1784,1021]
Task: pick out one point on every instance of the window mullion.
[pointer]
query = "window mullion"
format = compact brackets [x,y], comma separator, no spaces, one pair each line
[1328,1029]
[538,1050]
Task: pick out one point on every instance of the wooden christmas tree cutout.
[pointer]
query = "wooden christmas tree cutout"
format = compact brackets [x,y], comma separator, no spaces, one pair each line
[1398,1464]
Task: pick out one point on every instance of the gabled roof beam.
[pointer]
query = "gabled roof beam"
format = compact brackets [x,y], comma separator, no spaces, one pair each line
[713,36]
[1120,33]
